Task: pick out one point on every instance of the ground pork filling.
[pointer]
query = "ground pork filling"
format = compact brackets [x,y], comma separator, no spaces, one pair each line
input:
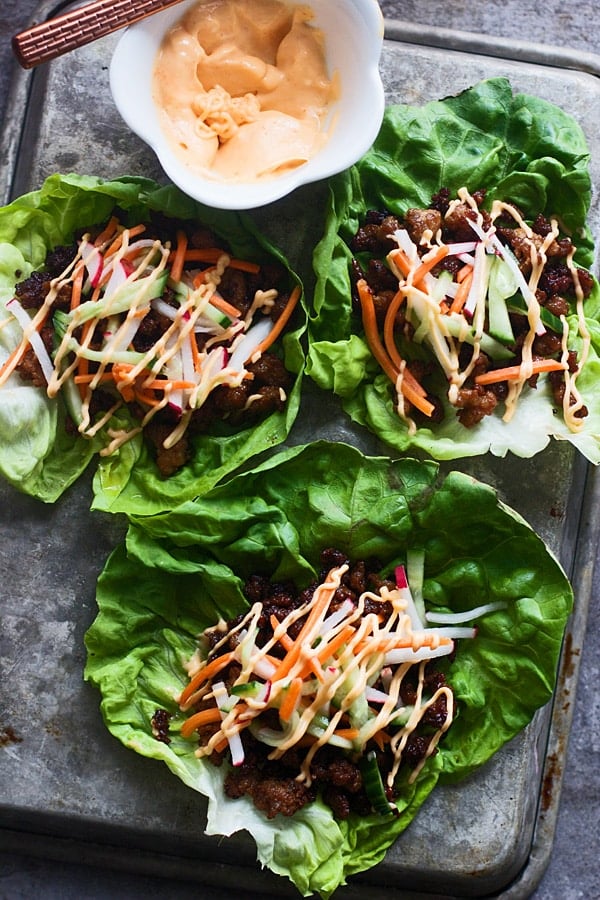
[283,781]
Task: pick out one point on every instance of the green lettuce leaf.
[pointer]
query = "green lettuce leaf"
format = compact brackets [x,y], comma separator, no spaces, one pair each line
[519,148]
[37,455]
[180,571]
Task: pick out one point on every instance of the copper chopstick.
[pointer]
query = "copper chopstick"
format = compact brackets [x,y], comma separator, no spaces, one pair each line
[44,42]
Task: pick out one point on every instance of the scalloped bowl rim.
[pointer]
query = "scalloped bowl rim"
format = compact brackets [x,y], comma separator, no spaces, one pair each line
[354,40]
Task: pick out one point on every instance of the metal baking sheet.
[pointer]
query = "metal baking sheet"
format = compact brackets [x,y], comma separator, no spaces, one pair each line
[68,790]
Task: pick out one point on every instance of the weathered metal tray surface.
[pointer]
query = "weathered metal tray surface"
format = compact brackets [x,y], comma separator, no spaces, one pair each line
[68,790]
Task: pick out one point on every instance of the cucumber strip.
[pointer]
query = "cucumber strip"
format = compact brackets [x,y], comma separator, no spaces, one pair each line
[517,304]
[373,784]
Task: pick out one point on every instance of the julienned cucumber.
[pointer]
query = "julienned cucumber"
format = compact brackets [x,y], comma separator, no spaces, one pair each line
[517,304]
[373,784]
[147,288]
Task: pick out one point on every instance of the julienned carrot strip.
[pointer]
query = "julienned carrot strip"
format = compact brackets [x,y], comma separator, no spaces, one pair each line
[389,328]
[332,646]
[429,263]
[513,373]
[196,362]
[13,360]
[118,241]
[281,321]
[284,639]
[410,387]
[204,717]
[291,699]
[381,738]
[462,273]
[90,376]
[460,298]
[205,674]
[160,384]
[221,744]
[214,254]
[224,306]
[107,232]
[77,286]
[178,258]
[293,654]
[348,733]
[200,277]
[145,398]
[371,333]
[400,260]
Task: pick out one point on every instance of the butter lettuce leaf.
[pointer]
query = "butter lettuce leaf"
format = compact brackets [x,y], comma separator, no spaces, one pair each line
[518,148]
[37,454]
[178,572]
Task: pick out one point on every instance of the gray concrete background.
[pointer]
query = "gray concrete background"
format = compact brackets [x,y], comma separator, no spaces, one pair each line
[574,870]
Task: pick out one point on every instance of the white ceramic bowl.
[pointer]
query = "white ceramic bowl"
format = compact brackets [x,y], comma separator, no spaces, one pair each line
[353,31]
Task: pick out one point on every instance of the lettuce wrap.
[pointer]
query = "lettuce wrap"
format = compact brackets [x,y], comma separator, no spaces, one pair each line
[178,573]
[517,148]
[40,455]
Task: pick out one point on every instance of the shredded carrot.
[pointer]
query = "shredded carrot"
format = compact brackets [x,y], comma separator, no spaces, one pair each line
[460,298]
[291,699]
[513,373]
[221,744]
[281,321]
[77,285]
[214,254]
[162,384]
[462,273]
[370,325]
[107,232]
[90,376]
[285,640]
[410,387]
[118,241]
[389,328]
[332,646]
[204,717]
[178,258]
[195,352]
[224,306]
[205,674]
[294,652]
[13,360]
[201,276]
[349,734]
[400,260]
[145,398]
[429,263]
[381,738]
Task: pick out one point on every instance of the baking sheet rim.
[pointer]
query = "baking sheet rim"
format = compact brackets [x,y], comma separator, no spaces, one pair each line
[399,31]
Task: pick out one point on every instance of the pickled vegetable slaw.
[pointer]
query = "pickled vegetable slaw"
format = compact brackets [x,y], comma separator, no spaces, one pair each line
[472,306]
[338,683]
[118,281]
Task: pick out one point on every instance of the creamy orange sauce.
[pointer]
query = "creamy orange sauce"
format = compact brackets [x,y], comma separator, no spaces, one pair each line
[242,88]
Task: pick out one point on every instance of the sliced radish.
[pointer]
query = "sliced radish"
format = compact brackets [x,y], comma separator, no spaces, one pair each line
[34,337]
[93,261]
[246,345]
